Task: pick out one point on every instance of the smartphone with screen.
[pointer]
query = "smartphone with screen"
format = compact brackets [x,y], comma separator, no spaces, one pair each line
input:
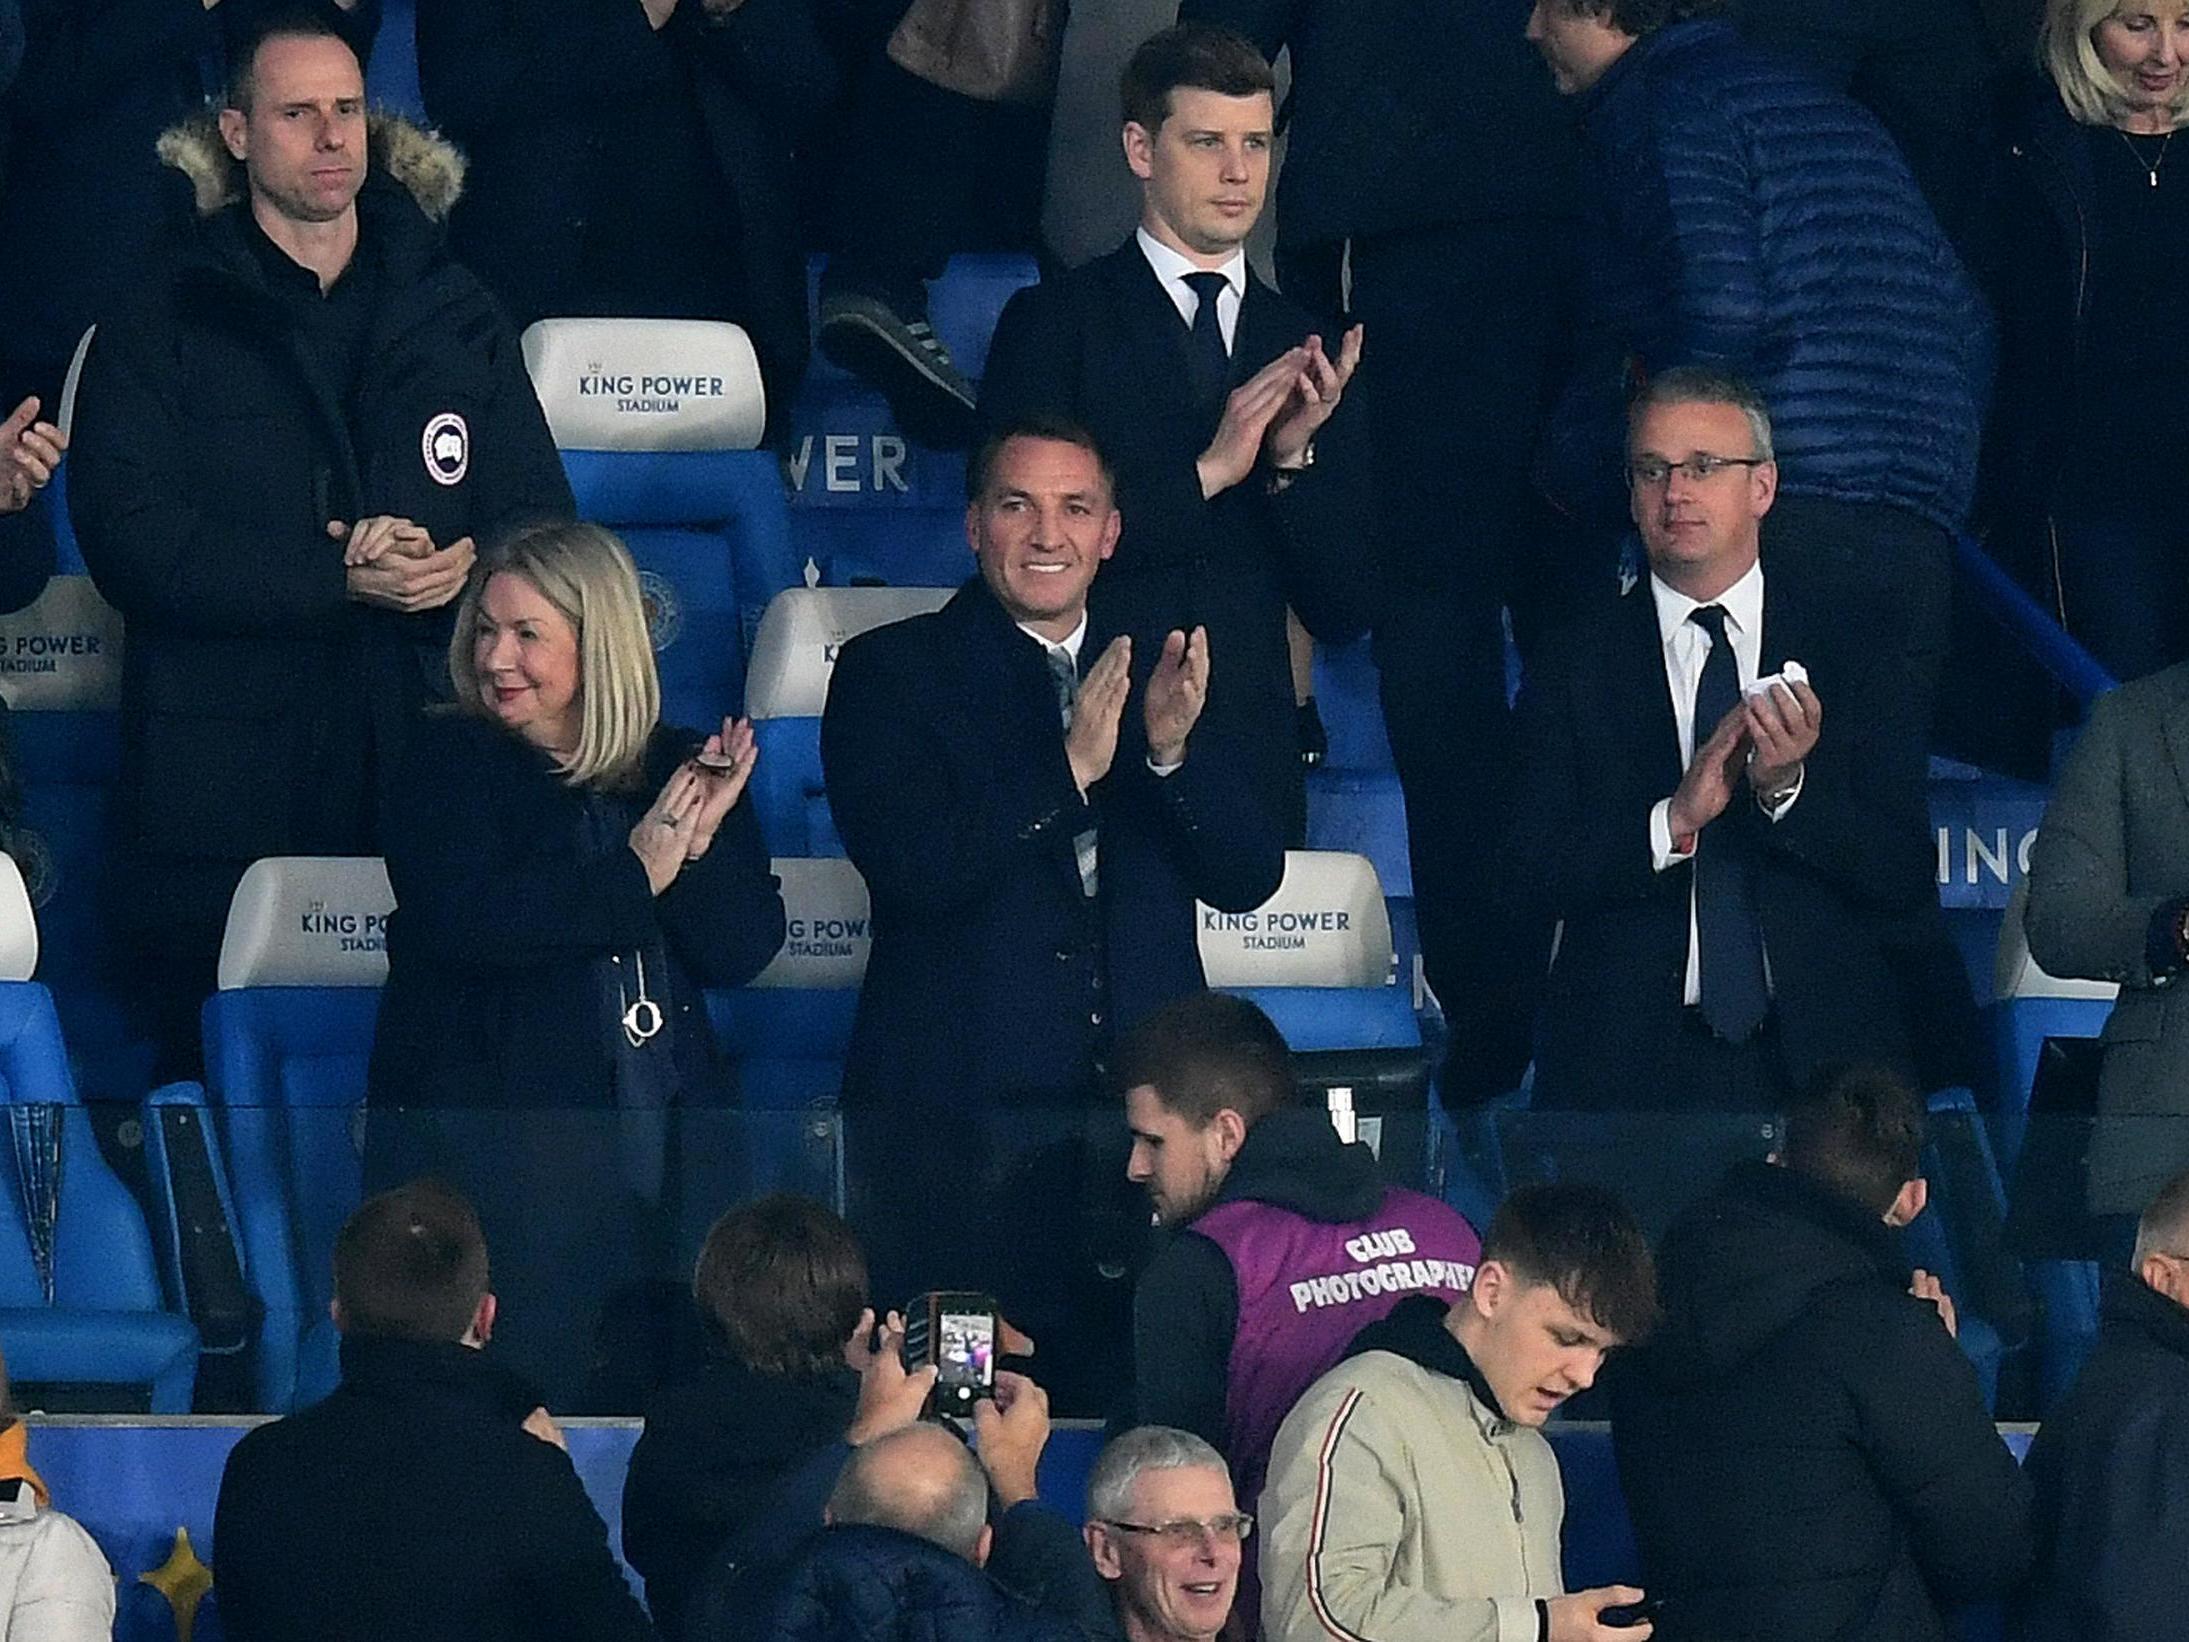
[957,1333]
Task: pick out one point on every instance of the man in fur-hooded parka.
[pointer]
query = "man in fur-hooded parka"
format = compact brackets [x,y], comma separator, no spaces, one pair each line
[302,363]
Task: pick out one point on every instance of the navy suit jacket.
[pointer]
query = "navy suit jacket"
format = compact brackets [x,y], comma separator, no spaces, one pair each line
[1841,875]
[1104,345]
[994,980]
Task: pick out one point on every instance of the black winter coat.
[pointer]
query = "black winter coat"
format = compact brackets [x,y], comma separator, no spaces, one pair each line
[2111,1471]
[492,997]
[622,170]
[209,456]
[861,1584]
[412,1504]
[1803,1447]
[714,1450]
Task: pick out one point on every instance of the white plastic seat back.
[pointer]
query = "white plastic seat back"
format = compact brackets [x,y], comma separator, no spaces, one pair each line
[794,652]
[2015,973]
[308,920]
[827,935]
[18,925]
[63,651]
[647,384]
[1327,925]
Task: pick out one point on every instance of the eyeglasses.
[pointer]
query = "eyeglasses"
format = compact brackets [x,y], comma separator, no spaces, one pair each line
[1654,472]
[1181,1532]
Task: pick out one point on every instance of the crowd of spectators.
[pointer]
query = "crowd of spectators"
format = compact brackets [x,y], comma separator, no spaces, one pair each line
[1666,345]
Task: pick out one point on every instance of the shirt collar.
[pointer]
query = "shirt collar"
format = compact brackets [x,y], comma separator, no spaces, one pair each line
[1069,644]
[1742,602]
[1169,265]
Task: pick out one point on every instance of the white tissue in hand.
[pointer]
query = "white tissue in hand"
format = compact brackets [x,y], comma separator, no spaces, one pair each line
[1791,674]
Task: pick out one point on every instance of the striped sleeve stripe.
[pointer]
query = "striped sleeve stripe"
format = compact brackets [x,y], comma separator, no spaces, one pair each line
[1321,1521]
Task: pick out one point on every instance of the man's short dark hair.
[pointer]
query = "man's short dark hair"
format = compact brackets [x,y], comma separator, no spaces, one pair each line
[1198,56]
[1582,1242]
[1640,17]
[1035,425]
[289,22]
[411,1264]
[1205,1052]
[785,1281]
[1857,1128]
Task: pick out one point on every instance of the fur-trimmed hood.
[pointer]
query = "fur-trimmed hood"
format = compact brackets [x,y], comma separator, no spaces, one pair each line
[426,164]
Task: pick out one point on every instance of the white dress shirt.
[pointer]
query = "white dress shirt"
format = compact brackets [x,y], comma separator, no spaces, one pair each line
[1171,269]
[1686,649]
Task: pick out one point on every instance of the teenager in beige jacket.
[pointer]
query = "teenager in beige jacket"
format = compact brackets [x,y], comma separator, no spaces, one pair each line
[1411,1496]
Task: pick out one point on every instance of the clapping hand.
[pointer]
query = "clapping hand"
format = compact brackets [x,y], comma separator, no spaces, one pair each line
[1315,393]
[1091,743]
[393,563]
[724,764]
[1707,787]
[29,452]
[1177,691]
[662,837]
[1783,724]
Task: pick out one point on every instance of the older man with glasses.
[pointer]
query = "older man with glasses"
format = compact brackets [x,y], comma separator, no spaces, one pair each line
[1165,1531]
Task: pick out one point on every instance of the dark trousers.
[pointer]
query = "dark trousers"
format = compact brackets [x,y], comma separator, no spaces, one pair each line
[1889,571]
[926,172]
[1464,324]
[2124,583]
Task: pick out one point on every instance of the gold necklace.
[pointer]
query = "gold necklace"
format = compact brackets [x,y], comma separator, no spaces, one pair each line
[2150,167]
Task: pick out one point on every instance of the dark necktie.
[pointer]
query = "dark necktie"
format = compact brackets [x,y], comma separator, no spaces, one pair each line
[1729,943]
[1211,359]
[1065,676]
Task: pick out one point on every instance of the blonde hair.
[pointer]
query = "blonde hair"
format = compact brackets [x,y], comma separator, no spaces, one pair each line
[587,575]
[2069,56]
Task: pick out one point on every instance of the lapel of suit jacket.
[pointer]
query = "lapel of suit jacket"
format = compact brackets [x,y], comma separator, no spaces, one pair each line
[1149,318]
[1261,335]
[1002,654]
[1648,721]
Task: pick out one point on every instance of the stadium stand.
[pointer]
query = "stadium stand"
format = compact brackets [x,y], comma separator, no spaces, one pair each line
[81,1312]
[657,420]
[287,1038]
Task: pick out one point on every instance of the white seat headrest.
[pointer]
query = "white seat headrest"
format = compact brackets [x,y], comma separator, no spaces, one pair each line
[308,920]
[826,935]
[1327,925]
[794,652]
[647,384]
[18,925]
[2014,973]
[63,652]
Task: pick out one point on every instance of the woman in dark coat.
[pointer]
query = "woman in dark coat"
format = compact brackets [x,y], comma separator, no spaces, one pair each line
[2088,228]
[568,874]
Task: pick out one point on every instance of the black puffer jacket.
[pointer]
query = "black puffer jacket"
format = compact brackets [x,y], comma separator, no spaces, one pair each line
[861,1584]
[1802,1445]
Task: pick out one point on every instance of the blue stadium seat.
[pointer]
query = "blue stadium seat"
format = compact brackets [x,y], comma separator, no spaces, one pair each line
[287,1039]
[869,504]
[657,420]
[788,1029]
[80,1301]
[793,655]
